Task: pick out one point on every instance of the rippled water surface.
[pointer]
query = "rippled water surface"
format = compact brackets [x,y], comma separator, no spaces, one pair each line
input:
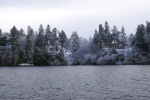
[75,83]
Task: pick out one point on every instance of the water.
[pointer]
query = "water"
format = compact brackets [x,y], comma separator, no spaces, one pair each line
[75,83]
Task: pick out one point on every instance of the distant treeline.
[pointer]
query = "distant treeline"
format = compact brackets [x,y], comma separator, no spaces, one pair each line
[48,46]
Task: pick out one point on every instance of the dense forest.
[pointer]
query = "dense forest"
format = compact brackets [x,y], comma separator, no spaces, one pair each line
[50,46]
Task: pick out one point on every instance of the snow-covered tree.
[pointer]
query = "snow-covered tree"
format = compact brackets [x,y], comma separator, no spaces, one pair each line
[40,57]
[55,32]
[115,36]
[29,45]
[40,41]
[96,37]
[3,40]
[101,33]
[141,40]
[74,40]
[148,27]
[21,32]
[83,41]
[107,36]
[97,40]
[14,41]
[130,39]
[148,32]
[62,39]
[49,37]
[123,37]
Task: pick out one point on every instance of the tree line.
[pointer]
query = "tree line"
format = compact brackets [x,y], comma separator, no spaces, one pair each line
[111,47]
[52,47]
[42,47]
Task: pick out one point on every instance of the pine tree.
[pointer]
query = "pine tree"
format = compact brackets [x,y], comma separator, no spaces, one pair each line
[14,36]
[148,32]
[14,41]
[21,32]
[3,40]
[115,36]
[101,36]
[40,41]
[101,32]
[107,36]
[49,37]
[62,39]
[141,40]
[40,54]
[96,37]
[29,45]
[54,31]
[130,40]
[97,40]
[148,27]
[123,37]
[74,43]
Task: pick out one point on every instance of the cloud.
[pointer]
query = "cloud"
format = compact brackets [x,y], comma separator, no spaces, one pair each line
[28,4]
[80,15]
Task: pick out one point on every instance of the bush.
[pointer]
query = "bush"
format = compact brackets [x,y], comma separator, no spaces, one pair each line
[107,60]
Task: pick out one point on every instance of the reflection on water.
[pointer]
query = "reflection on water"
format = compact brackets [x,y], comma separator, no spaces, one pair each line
[75,83]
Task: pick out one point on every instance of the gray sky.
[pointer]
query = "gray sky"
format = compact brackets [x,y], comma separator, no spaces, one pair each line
[82,16]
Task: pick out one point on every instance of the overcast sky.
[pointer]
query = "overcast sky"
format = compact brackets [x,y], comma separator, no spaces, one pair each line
[82,16]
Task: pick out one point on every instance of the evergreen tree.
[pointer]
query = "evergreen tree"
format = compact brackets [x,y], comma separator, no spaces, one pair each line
[107,36]
[62,39]
[123,37]
[3,41]
[14,36]
[54,31]
[40,54]
[130,40]
[29,45]
[141,41]
[40,41]
[101,32]
[14,41]
[49,37]
[107,30]
[74,43]
[21,32]
[148,27]
[115,36]
[96,37]
[97,40]
[148,32]
[101,36]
